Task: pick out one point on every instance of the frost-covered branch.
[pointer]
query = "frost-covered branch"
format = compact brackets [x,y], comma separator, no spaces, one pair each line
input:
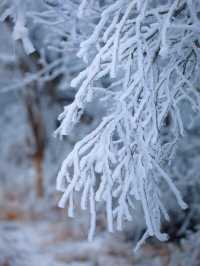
[148,54]
[152,51]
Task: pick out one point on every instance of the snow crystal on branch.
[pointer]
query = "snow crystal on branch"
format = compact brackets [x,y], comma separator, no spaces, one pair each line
[17,11]
[152,51]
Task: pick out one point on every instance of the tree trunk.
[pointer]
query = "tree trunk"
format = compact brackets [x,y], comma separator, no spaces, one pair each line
[34,114]
[38,162]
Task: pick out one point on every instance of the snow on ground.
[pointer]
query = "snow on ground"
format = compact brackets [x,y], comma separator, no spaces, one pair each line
[59,241]
[45,243]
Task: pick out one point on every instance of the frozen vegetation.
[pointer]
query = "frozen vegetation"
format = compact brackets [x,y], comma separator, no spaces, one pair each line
[126,147]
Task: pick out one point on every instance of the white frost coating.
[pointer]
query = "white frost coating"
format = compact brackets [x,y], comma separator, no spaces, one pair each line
[82,8]
[20,32]
[92,215]
[152,52]
[166,25]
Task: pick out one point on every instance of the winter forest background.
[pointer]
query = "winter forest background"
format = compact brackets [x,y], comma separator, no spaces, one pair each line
[99,121]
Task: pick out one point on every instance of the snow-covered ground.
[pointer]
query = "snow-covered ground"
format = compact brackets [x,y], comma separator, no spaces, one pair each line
[56,243]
